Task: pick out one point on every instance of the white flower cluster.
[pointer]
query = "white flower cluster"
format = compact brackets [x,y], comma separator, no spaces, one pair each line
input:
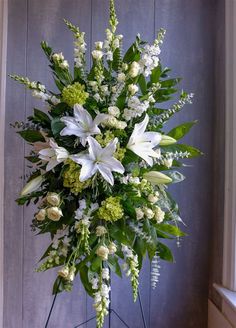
[155,270]
[149,59]
[131,267]
[136,108]
[59,60]
[101,295]
[112,120]
[150,213]
[51,208]
[83,215]
[137,228]
[67,272]
[79,49]
[111,43]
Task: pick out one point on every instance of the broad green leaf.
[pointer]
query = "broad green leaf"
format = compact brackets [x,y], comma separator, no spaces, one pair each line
[31,135]
[57,125]
[142,84]
[170,229]
[170,82]
[114,265]
[164,252]
[41,116]
[84,279]
[180,131]
[156,73]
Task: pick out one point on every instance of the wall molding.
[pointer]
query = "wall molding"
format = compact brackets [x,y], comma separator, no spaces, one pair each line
[229,256]
[3,60]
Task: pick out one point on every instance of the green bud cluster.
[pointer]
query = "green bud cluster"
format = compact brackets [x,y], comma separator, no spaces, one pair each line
[74,94]
[111,209]
[71,178]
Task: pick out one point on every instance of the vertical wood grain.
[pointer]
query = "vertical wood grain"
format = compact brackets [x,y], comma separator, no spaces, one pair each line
[14,167]
[45,22]
[181,297]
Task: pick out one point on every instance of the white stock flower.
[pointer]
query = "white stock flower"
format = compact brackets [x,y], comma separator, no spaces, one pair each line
[114,111]
[53,155]
[82,124]
[99,159]
[54,213]
[142,143]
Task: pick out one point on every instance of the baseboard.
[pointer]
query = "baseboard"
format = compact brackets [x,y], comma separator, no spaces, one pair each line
[216,319]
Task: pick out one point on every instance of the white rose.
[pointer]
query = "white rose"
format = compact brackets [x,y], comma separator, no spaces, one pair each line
[139,213]
[121,125]
[159,214]
[133,88]
[149,213]
[112,248]
[121,77]
[40,216]
[64,272]
[134,69]
[97,54]
[114,111]
[100,231]
[98,45]
[152,198]
[53,198]
[102,252]
[54,213]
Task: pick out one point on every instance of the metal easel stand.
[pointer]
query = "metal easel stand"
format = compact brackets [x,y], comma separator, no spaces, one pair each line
[94,317]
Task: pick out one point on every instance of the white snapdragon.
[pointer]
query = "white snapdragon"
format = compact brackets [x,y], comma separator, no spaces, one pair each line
[105,274]
[79,49]
[97,54]
[59,60]
[98,45]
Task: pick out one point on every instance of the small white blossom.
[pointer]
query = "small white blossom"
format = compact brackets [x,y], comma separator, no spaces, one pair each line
[97,54]
[114,111]
[133,88]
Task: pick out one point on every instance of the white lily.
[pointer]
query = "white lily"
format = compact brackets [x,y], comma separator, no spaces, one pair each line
[99,159]
[82,124]
[142,143]
[53,155]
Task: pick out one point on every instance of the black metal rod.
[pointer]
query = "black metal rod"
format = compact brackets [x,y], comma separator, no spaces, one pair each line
[120,318]
[50,312]
[142,312]
[83,323]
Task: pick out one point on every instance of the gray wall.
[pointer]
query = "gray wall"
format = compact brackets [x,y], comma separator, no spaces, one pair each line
[180,301]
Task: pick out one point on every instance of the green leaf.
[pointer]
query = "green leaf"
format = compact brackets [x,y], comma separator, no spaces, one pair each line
[85,281]
[175,176]
[129,157]
[47,50]
[57,125]
[31,135]
[142,84]
[181,130]
[96,264]
[41,116]
[170,229]
[164,252]
[170,82]
[156,73]
[116,59]
[114,265]
[193,152]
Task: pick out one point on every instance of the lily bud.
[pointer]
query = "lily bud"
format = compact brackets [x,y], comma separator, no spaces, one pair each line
[167,140]
[157,177]
[32,185]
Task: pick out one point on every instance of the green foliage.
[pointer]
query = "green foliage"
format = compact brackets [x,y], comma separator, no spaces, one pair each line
[31,135]
[181,130]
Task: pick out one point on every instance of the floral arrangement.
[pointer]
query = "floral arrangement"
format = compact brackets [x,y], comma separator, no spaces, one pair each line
[101,163]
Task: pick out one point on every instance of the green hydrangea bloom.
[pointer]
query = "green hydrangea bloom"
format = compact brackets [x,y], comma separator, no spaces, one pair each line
[111,209]
[105,138]
[74,94]
[71,178]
